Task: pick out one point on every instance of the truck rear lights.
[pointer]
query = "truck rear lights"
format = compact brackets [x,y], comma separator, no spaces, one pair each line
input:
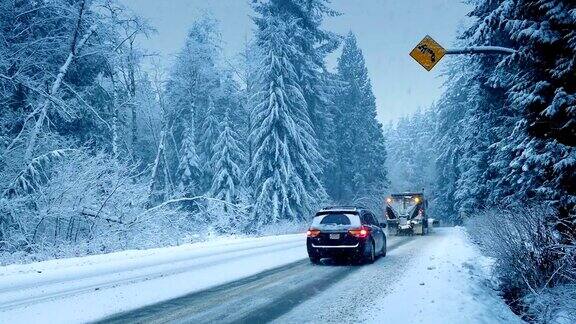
[312,233]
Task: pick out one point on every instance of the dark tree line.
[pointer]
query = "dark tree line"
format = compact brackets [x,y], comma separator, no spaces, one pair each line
[503,147]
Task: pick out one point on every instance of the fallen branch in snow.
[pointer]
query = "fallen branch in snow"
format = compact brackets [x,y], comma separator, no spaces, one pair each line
[173,201]
[98,215]
[179,200]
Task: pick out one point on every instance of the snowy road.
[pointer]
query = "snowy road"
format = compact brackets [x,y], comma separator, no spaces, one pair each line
[93,287]
[283,292]
[439,278]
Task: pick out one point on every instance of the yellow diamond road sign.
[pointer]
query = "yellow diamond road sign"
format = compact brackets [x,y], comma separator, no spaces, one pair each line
[428,53]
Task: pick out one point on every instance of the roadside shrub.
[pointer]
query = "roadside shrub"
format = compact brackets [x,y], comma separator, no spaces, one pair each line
[72,203]
[529,255]
[552,305]
[227,218]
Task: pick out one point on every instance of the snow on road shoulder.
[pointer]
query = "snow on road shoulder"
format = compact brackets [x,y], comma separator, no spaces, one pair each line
[223,242]
[448,283]
[86,289]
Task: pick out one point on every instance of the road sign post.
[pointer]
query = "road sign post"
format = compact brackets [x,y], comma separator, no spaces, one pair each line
[482,50]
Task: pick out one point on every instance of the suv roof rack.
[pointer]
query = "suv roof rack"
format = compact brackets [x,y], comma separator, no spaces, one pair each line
[343,207]
[400,194]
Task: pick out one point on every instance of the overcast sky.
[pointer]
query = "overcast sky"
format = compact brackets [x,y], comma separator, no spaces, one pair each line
[386,29]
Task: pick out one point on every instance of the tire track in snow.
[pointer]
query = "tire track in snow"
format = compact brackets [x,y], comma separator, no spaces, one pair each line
[352,298]
[41,292]
[259,298]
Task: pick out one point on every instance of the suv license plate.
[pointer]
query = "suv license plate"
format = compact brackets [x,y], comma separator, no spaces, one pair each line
[334,236]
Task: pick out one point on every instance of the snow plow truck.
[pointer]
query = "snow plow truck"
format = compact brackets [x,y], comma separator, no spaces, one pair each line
[406,213]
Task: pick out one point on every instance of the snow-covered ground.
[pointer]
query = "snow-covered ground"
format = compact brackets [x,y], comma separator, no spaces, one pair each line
[449,282]
[89,288]
[440,278]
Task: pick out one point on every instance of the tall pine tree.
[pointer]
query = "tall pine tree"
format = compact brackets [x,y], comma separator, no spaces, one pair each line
[194,79]
[227,162]
[284,171]
[209,136]
[313,44]
[189,167]
[359,172]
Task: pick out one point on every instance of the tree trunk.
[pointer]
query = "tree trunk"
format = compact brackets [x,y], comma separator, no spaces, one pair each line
[115,137]
[75,49]
[132,93]
[155,168]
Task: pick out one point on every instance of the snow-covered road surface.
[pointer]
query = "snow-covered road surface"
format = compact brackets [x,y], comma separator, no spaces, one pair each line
[439,278]
[256,299]
[89,288]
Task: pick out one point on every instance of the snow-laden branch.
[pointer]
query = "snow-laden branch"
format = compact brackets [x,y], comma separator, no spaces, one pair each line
[86,211]
[33,174]
[179,200]
[6,77]
[89,106]
[482,50]
[55,86]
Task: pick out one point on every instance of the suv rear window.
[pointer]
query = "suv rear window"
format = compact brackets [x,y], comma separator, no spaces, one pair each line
[336,219]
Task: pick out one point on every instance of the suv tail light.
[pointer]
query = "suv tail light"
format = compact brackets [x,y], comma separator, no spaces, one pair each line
[361,232]
[312,233]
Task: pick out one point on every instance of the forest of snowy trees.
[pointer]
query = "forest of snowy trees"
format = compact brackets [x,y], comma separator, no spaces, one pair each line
[99,152]
[497,150]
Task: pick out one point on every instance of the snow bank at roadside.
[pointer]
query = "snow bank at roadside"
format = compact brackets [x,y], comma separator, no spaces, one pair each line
[448,283]
[88,288]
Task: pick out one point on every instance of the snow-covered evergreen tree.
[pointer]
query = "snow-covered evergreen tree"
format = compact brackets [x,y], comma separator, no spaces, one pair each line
[231,96]
[191,85]
[471,118]
[227,162]
[536,145]
[189,167]
[284,170]
[208,138]
[544,33]
[411,155]
[228,212]
[360,154]
[449,110]
[198,64]
[313,43]
[479,130]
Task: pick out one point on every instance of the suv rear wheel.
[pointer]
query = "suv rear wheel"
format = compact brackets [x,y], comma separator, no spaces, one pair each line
[314,259]
[370,256]
[384,248]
